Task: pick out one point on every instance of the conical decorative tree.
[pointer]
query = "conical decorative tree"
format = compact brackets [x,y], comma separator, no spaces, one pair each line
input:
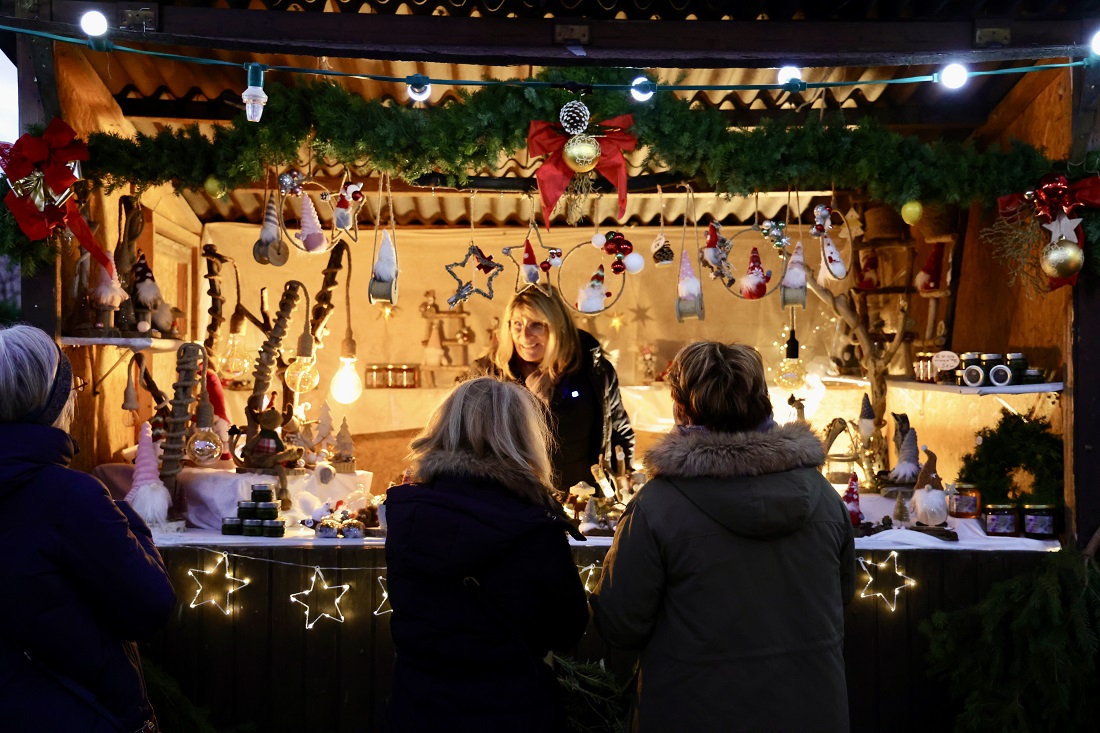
[901,510]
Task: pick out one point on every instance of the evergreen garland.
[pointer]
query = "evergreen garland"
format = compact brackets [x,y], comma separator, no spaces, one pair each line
[1016,443]
[16,246]
[1026,657]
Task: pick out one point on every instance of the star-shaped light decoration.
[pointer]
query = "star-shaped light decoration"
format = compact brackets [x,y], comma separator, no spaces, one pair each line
[384,606]
[215,587]
[321,602]
[386,311]
[901,579]
[1063,228]
[466,288]
[640,314]
[590,576]
[617,321]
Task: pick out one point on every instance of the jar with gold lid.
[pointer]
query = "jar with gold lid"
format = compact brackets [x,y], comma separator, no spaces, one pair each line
[1001,520]
[1040,521]
[966,502]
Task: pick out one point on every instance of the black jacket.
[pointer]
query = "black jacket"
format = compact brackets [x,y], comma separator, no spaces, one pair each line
[595,377]
[482,584]
[85,582]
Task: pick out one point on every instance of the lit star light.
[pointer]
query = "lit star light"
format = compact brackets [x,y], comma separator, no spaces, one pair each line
[617,321]
[326,602]
[899,577]
[384,606]
[215,587]
[590,576]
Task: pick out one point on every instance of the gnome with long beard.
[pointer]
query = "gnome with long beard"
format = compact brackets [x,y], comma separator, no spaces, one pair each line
[754,284]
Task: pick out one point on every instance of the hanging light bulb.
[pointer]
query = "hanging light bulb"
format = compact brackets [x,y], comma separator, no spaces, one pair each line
[788,73]
[254,97]
[93,23]
[204,446]
[302,375]
[419,87]
[236,362]
[642,89]
[954,76]
[347,385]
[791,374]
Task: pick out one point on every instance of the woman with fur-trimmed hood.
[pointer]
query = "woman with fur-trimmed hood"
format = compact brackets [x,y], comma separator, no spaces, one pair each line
[730,569]
[480,574]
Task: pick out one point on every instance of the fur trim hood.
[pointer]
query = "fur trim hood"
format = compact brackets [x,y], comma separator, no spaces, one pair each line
[702,453]
[467,465]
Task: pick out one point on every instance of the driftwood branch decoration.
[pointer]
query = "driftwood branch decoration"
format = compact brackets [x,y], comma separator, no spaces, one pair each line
[214,262]
[269,359]
[187,366]
[322,302]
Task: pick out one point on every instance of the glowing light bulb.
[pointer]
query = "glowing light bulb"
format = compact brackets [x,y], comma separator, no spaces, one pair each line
[789,72]
[347,385]
[419,87]
[204,446]
[254,97]
[642,89]
[94,23]
[236,362]
[954,76]
[1094,45]
[302,375]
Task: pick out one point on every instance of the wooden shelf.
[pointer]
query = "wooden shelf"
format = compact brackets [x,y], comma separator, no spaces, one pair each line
[152,345]
[955,389]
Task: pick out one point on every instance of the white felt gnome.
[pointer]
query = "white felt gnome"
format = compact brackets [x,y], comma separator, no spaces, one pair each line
[385,264]
[792,288]
[754,283]
[591,296]
[929,501]
[530,266]
[344,211]
[832,266]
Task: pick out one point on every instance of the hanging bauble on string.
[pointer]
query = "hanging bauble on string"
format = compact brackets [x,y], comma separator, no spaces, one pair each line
[581,153]
[911,212]
[1062,258]
[574,117]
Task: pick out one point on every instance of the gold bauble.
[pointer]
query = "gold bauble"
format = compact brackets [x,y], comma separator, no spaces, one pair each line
[581,153]
[911,212]
[1062,258]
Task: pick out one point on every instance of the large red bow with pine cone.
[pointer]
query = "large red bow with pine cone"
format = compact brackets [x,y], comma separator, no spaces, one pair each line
[41,178]
[549,138]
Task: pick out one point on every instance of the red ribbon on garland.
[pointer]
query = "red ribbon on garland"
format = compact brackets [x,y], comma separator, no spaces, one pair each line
[49,155]
[549,138]
[1056,195]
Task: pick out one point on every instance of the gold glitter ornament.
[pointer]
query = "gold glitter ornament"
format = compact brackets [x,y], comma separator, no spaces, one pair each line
[1061,259]
[581,153]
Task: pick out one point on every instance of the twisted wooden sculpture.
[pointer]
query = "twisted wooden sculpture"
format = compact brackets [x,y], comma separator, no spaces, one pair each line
[269,358]
[187,366]
[322,302]
[214,262]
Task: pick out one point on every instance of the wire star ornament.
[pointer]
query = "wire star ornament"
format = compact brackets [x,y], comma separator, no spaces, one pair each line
[466,288]
[905,580]
[384,606]
[215,588]
[590,576]
[326,602]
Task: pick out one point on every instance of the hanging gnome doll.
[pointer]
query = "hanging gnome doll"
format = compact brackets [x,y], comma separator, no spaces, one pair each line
[831,263]
[928,279]
[343,215]
[591,296]
[689,290]
[269,249]
[530,266]
[792,288]
[311,236]
[866,419]
[147,293]
[755,282]
[851,500]
[716,255]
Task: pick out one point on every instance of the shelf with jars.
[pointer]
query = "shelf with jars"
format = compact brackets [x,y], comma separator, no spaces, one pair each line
[902,383]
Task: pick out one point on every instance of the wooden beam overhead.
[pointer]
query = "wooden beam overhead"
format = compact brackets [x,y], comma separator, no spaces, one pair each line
[654,44]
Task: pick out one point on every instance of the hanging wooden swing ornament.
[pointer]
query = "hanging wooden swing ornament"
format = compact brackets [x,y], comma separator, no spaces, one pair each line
[270,248]
[574,156]
[382,287]
[689,291]
[792,286]
[661,250]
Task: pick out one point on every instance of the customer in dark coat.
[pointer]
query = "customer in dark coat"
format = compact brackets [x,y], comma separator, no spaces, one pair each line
[730,569]
[539,346]
[480,574]
[81,578]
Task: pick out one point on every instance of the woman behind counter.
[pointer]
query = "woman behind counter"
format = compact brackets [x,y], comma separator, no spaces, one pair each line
[540,347]
[84,576]
[480,574]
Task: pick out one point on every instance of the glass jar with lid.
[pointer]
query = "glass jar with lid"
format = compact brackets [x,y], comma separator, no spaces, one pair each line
[1017,362]
[965,503]
[1001,520]
[1039,521]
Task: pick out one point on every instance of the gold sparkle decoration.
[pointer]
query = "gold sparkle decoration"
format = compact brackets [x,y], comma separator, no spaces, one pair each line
[214,587]
[387,311]
[617,321]
[321,601]
[899,580]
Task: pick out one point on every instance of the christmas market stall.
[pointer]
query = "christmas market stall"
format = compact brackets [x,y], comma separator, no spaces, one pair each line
[270,259]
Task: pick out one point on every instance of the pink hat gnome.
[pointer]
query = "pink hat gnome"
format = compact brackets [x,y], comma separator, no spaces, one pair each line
[754,284]
[591,296]
[530,265]
[312,236]
[851,500]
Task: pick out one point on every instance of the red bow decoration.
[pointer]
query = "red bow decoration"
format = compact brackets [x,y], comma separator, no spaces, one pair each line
[484,262]
[1056,195]
[549,138]
[49,156]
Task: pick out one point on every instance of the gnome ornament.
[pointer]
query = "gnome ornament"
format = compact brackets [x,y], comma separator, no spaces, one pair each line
[311,236]
[148,297]
[929,501]
[530,266]
[345,209]
[928,279]
[832,266]
[148,495]
[908,460]
[851,500]
[792,288]
[590,299]
[868,272]
[716,255]
[270,249]
[689,303]
[216,394]
[866,419]
[755,282]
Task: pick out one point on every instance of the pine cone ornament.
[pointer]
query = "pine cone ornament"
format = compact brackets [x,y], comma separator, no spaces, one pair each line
[574,117]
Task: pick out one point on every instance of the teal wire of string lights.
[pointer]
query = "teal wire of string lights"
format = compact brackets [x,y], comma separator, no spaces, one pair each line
[101,44]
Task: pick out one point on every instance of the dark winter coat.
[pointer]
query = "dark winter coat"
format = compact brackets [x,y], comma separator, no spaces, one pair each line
[483,585]
[730,570]
[82,581]
[595,386]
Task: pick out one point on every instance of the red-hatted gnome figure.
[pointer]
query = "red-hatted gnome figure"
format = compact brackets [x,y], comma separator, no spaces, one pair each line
[591,296]
[851,500]
[342,212]
[930,275]
[755,282]
[216,395]
[716,255]
[530,265]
